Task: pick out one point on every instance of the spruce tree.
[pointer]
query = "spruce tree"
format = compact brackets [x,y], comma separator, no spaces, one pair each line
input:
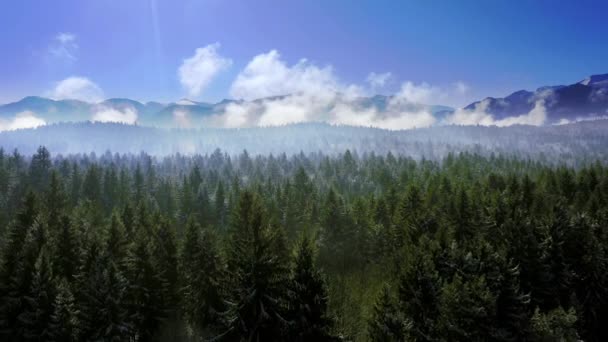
[257,259]
[65,250]
[466,310]
[555,325]
[165,257]
[419,295]
[55,201]
[143,295]
[36,316]
[19,256]
[40,166]
[202,278]
[387,323]
[308,298]
[102,313]
[64,322]
[220,205]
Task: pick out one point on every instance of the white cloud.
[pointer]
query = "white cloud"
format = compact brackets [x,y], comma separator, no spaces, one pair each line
[421,93]
[338,109]
[198,71]
[182,118]
[479,114]
[536,117]
[64,47]
[378,80]
[126,115]
[267,75]
[27,119]
[393,118]
[305,92]
[77,88]
[235,116]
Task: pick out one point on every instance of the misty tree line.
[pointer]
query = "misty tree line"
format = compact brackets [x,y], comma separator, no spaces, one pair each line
[301,248]
[575,144]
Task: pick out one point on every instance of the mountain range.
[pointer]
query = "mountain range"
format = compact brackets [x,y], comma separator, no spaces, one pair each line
[582,100]
[562,103]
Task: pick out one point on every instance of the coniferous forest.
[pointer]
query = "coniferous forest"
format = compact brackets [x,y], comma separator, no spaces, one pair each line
[302,247]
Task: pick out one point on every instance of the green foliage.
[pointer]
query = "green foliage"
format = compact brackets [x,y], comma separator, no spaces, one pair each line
[64,323]
[307,302]
[388,323]
[202,273]
[555,325]
[257,259]
[141,248]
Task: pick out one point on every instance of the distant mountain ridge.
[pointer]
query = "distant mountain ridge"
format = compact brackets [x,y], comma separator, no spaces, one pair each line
[582,100]
[563,103]
[164,115]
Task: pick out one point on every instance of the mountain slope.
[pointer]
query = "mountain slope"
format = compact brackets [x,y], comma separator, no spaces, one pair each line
[582,100]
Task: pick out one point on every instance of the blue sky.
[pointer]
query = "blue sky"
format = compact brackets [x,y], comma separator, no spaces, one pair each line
[464,50]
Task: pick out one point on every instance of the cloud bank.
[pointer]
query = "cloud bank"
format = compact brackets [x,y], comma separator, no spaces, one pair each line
[77,88]
[26,119]
[198,71]
[277,93]
[182,118]
[126,115]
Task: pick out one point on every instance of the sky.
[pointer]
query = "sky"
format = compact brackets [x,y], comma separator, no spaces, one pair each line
[452,52]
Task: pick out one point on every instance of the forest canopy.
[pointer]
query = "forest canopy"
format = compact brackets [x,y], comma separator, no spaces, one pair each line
[301,247]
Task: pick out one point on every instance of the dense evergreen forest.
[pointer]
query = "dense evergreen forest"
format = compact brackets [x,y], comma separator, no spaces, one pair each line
[302,247]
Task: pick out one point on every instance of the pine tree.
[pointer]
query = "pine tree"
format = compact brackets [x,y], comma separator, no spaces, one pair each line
[203,204]
[39,168]
[336,239]
[75,185]
[16,235]
[56,200]
[139,185]
[36,316]
[116,241]
[64,323]
[143,295]
[511,321]
[65,250]
[102,313]
[202,278]
[220,205]
[466,310]
[308,299]
[387,323]
[165,257]
[257,258]
[91,186]
[19,255]
[555,325]
[419,295]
